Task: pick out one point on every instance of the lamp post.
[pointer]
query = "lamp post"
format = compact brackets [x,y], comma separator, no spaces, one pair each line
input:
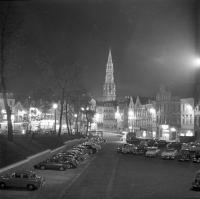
[55,106]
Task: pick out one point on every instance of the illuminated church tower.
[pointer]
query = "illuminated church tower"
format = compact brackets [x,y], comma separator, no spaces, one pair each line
[109,85]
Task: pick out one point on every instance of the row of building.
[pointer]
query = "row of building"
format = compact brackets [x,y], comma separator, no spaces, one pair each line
[164,116]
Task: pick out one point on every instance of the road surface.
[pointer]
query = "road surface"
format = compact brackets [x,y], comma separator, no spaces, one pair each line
[118,176]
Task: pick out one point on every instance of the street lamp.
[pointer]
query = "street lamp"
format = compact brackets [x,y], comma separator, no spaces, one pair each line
[196,62]
[55,106]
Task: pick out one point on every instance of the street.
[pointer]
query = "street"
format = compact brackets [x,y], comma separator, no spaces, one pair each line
[112,175]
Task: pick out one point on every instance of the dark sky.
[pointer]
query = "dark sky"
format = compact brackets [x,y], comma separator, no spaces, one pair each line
[152,42]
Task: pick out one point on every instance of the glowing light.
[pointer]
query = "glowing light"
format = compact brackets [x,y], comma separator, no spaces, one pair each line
[75,115]
[82,109]
[144,134]
[182,134]
[23,132]
[189,108]
[55,106]
[152,111]
[154,134]
[173,129]
[3,111]
[196,62]
[131,115]
[117,115]
[97,117]
[164,126]
[189,133]
[12,118]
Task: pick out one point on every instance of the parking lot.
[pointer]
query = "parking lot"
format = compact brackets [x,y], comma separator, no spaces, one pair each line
[115,175]
[56,182]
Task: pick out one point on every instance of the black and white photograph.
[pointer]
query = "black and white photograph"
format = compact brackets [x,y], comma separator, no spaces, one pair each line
[99,99]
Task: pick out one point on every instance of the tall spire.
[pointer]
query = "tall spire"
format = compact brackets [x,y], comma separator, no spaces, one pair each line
[109,85]
[137,103]
[109,63]
[131,104]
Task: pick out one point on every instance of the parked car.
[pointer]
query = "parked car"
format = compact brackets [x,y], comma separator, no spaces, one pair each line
[174,145]
[161,143]
[151,142]
[140,150]
[196,157]
[196,182]
[22,179]
[50,164]
[184,155]
[128,148]
[119,148]
[169,153]
[66,156]
[152,152]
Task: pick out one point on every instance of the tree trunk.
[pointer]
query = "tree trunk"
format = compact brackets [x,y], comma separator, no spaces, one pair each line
[61,111]
[2,79]
[67,118]
[76,124]
[70,126]
[87,125]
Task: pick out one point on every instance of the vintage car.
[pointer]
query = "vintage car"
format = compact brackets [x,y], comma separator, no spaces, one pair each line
[21,179]
[128,148]
[184,155]
[196,182]
[119,148]
[196,157]
[161,143]
[152,152]
[140,150]
[51,164]
[174,145]
[169,153]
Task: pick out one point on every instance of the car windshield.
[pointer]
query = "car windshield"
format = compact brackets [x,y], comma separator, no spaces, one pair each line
[152,149]
[170,150]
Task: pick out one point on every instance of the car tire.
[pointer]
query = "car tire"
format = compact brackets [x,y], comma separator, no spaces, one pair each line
[30,187]
[2,185]
[61,168]
[42,167]
[69,166]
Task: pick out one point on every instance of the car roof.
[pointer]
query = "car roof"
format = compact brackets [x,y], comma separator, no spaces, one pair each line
[24,171]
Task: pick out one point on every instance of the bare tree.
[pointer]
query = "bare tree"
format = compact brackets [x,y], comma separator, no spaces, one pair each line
[63,80]
[5,32]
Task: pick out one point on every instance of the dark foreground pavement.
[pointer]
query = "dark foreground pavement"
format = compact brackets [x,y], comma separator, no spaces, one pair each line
[118,176]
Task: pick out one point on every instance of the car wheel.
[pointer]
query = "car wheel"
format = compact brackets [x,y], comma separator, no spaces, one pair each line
[69,166]
[30,187]
[2,185]
[42,167]
[61,168]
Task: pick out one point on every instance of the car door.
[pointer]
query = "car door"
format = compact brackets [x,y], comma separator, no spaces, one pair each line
[15,180]
[25,179]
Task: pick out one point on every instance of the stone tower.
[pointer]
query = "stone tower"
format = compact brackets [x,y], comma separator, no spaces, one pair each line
[109,85]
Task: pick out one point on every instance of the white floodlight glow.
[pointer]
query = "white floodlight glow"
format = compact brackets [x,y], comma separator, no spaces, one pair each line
[196,62]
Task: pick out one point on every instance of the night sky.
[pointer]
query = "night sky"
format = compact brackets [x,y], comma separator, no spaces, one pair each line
[152,43]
